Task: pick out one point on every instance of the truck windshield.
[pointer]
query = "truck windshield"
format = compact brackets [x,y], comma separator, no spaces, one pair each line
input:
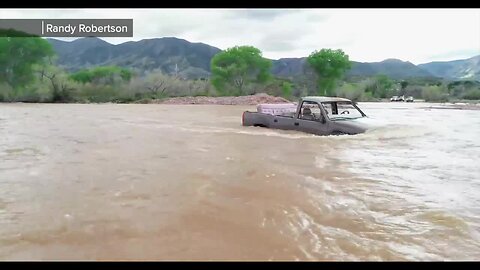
[342,110]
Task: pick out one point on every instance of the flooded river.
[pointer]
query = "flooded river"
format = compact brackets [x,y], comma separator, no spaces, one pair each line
[188,182]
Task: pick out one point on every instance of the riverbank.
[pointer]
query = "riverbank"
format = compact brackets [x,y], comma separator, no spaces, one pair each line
[231,100]
[455,106]
[265,98]
[260,98]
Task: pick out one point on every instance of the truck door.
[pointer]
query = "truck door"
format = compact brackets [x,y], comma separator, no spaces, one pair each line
[311,119]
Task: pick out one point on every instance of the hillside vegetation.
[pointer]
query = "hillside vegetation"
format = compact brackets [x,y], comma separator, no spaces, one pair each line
[92,70]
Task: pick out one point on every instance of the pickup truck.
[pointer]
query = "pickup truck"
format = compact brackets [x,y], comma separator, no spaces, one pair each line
[316,115]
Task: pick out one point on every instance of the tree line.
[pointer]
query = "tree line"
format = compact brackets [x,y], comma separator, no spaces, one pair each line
[28,73]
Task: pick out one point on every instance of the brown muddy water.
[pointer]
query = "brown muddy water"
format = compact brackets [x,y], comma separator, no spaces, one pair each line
[188,182]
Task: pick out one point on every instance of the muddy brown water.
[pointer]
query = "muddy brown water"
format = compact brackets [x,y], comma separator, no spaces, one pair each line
[188,182]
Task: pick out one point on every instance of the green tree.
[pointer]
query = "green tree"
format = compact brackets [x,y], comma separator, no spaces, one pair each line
[236,68]
[435,93]
[126,74]
[403,85]
[473,94]
[351,91]
[82,76]
[383,86]
[19,54]
[287,90]
[61,89]
[329,66]
[380,86]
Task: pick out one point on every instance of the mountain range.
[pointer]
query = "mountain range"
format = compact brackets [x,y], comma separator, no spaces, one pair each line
[192,60]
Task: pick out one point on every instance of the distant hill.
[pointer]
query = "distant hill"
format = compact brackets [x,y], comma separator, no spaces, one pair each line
[458,69]
[394,68]
[192,60]
[166,54]
[289,67]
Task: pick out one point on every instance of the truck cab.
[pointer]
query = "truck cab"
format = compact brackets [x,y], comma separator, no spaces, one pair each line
[315,115]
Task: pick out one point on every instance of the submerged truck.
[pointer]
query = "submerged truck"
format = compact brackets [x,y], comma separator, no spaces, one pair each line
[316,115]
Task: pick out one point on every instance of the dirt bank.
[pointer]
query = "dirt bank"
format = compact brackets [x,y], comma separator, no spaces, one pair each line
[242,100]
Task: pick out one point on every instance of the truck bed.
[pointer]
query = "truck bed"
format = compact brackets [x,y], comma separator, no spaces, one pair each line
[264,119]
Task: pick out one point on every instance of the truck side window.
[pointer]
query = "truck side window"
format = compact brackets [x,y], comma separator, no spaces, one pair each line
[334,108]
[328,108]
[310,111]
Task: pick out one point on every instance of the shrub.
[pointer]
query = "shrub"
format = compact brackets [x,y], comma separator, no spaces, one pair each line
[350,91]
[6,92]
[435,93]
[287,90]
[473,94]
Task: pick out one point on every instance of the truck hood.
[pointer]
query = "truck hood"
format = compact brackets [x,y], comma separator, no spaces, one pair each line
[359,124]
[371,123]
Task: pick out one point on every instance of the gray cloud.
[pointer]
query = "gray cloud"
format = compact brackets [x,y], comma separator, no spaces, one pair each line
[457,54]
[328,43]
[284,39]
[277,45]
[317,17]
[365,35]
[260,14]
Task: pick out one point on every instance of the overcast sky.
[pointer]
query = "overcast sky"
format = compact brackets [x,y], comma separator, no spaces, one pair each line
[367,35]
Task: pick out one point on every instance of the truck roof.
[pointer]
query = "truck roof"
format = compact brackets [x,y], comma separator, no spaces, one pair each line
[324,99]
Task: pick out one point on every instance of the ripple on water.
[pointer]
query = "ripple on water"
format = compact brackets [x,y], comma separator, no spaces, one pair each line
[402,192]
[27,151]
[445,219]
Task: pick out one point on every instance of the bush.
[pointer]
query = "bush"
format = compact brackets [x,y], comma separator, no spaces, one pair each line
[6,92]
[96,93]
[287,90]
[367,96]
[299,92]
[414,91]
[38,91]
[102,75]
[159,85]
[357,91]
[350,91]
[435,93]
[276,87]
[473,94]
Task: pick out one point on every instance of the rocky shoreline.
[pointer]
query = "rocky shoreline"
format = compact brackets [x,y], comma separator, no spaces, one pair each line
[241,100]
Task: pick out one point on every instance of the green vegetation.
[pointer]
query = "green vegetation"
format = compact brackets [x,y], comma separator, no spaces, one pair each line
[329,66]
[277,87]
[20,56]
[381,86]
[473,94]
[287,89]
[351,91]
[28,74]
[237,69]
[435,93]
[102,75]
